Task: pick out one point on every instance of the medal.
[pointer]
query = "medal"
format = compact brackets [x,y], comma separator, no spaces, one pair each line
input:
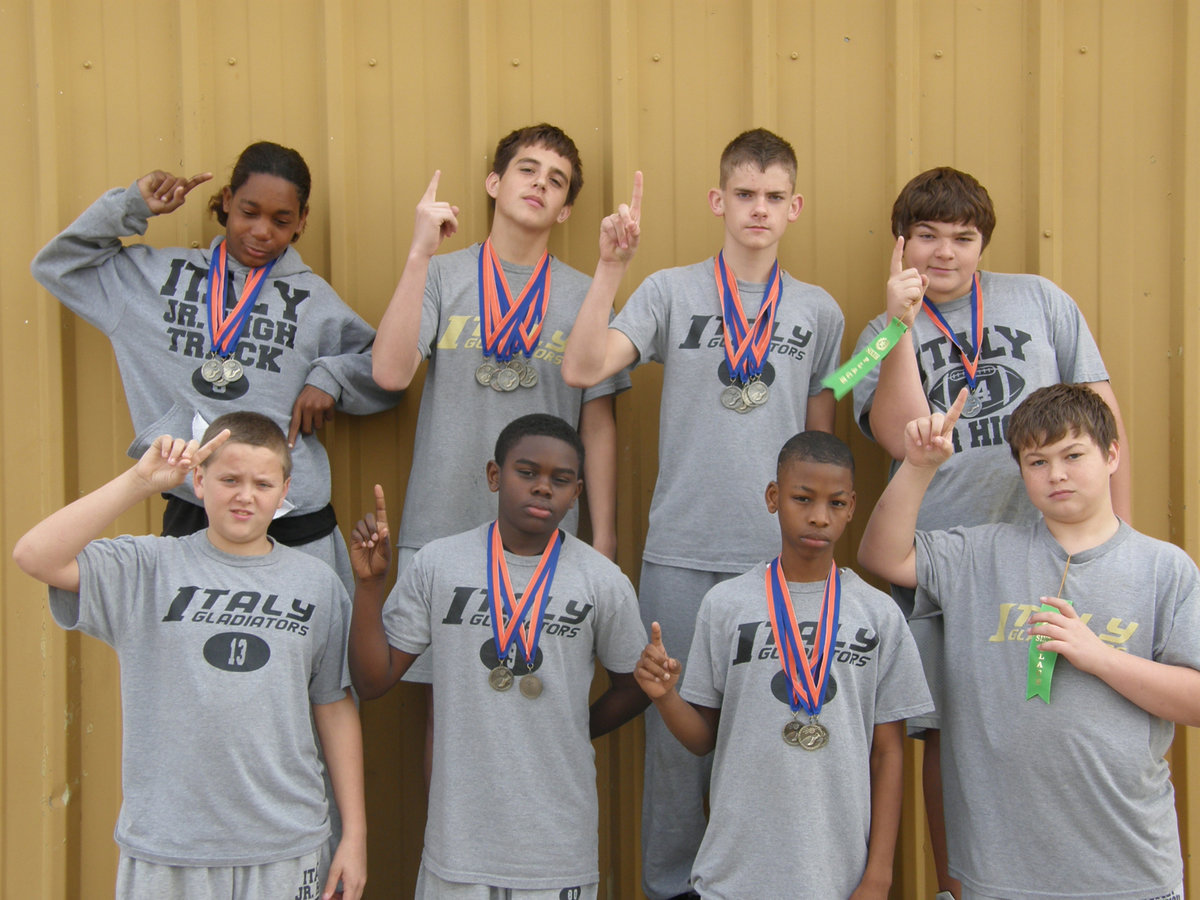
[973,404]
[500,678]
[225,331]
[510,327]
[212,370]
[531,687]
[505,379]
[807,674]
[755,393]
[485,371]
[970,358]
[746,345]
[518,619]
[732,398]
[231,369]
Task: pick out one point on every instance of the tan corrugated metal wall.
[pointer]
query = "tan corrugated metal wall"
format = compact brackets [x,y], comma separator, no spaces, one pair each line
[1081,117]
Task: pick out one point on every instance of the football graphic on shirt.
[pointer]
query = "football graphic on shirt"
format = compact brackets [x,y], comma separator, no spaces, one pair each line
[996,386]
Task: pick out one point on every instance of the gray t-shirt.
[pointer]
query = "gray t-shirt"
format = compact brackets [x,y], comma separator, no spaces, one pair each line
[1084,773]
[787,822]
[713,463]
[460,419]
[221,660]
[150,303]
[1033,336]
[513,797]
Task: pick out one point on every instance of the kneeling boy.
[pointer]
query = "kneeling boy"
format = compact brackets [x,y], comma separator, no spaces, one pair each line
[1035,748]
[825,778]
[226,641]
[514,613]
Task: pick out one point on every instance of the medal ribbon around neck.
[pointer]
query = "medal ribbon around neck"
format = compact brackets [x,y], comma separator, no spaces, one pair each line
[225,330]
[806,674]
[502,600]
[970,360]
[1041,664]
[746,346]
[510,326]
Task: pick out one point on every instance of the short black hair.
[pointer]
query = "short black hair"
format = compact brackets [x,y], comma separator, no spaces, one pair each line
[266,158]
[537,425]
[817,447]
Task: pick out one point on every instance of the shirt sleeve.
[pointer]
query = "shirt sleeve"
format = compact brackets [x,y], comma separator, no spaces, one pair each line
[704,676]
[406,613]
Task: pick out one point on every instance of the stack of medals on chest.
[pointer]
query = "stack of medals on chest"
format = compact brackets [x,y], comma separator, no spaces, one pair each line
[514,619]
[225,329]
[746,345]
[807,676]
[509,328]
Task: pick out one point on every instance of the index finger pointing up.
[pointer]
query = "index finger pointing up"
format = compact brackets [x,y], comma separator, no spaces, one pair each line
[431,191]
[380,508]
[954,412]
[635,201]
[898,256]
[656,634]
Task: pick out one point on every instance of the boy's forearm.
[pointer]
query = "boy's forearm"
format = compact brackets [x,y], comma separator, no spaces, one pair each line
[898,398]
[48,550]
[394,357]
[686,723]
[598,431]
[887,547]
[621,702]
[887,768]
[340,732]
[820,412]
[369,654]
[1170,692]
[586,360]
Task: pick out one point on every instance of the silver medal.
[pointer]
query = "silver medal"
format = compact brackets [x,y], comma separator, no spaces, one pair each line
[732,398]
[756,393]
[974,404]
[211,370]
[505,379]
[529,378]
[810,735]
[231,369]
[485,371]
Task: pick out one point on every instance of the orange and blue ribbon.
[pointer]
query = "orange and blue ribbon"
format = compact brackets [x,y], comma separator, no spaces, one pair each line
[510,326]
[225,330]
[513,618]
[807,674]
[746,345]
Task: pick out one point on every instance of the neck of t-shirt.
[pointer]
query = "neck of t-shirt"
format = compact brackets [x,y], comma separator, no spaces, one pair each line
[750,265]
[517,245]
[1096,529]
[804,569]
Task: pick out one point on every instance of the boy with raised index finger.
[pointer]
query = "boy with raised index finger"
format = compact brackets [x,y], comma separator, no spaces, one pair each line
[796,633]
[744,348]
[512,616]
[1069,670]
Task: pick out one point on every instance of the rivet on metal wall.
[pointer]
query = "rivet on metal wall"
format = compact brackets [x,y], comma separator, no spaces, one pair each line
[232,60]
[1083,49]
[795,55]
[1047,233]
[87,63]
[656,57]
[937,54]
[195,245]
[516,62]
[372,61]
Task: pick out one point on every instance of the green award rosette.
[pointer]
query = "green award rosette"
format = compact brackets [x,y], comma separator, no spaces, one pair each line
[1041,663]
[853,371]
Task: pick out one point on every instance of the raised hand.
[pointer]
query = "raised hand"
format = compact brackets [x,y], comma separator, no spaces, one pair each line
[370,543]
[656,672]
[905,287]
[621,231]
[436,220]
[164,192]
[167,461]
[312,410]
[929,440]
